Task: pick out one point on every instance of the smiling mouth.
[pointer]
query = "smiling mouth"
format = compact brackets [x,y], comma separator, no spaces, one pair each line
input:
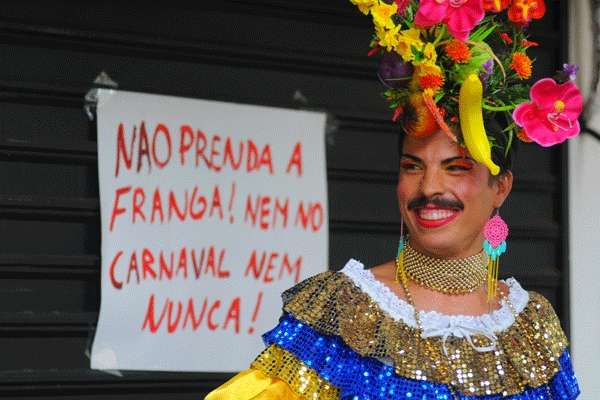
[434,217]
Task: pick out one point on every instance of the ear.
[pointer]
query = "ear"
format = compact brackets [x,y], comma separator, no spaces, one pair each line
[503,186]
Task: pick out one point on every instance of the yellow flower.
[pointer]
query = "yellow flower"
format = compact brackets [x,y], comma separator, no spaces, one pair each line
[364,5]
[428,68]
[429,52]
[429,92]
[382,14]
[408,39]
[388,38]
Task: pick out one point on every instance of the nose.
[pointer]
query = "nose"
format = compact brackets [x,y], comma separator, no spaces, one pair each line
[432,183]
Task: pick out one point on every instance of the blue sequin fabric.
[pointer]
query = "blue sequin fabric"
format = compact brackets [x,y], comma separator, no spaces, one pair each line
[364,378]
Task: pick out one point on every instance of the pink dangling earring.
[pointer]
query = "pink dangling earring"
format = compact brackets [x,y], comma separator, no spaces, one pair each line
[495,233]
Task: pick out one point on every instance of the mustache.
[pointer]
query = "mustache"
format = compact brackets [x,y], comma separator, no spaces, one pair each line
[441,202]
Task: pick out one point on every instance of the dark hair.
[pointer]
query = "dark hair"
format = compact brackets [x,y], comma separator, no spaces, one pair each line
[500,141]
[502,158]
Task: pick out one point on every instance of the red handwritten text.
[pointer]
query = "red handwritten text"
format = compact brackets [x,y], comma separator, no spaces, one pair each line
[160,206]
[148,265]
[266,212]
[180,315]
[143,150]
[270,266]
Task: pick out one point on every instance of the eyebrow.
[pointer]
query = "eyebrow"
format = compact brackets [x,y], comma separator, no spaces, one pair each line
[444,162]
[415,159]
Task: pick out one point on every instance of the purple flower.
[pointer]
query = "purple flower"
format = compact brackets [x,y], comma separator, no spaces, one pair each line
[488,69]
[571,70]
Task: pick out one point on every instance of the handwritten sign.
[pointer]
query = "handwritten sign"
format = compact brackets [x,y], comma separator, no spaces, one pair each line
[209,211]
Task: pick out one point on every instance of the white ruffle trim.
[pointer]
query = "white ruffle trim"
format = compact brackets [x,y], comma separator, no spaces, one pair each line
[433,321]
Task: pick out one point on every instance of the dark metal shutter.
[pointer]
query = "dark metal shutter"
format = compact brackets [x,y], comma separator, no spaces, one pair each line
[257,52]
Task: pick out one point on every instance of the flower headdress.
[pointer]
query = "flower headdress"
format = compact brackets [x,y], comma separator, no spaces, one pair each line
[451,64]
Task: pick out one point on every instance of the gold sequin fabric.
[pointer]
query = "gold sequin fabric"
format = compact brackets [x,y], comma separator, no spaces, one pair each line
[526,353]
[447,276]
[303,380]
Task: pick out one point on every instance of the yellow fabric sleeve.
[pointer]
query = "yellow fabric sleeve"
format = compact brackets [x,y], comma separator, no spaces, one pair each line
[253,384]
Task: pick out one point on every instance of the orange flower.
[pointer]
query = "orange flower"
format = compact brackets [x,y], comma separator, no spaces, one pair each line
[417,120]
[458,51]
[521,64]
[431,81]
[495,5]
[505,38]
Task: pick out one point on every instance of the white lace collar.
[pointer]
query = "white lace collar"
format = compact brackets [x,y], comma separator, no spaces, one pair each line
[433,321]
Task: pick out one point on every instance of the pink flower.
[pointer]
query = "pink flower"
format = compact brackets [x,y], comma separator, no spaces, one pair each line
[551,116]
[460,16]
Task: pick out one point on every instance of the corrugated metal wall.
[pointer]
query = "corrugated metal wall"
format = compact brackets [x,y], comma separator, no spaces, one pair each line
[259,52]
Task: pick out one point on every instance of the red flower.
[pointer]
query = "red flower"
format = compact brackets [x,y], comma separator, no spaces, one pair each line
[523,11]
[505,38]
[374,51]
[527,43]
[402,4]
[397,113]
[495,6]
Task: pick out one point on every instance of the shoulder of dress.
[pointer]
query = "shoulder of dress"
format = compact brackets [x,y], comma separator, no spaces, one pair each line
[308,286]
[326,284]
[540,310]
[535,317]
[536,330]
[526,298]
[539,300]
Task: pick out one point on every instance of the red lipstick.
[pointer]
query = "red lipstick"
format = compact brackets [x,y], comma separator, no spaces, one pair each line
[433,217]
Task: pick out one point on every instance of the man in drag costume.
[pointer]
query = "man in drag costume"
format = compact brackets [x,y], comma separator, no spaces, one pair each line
[436,323]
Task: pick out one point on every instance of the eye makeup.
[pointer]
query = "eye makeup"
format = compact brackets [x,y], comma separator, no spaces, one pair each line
[408,165]
[463,165]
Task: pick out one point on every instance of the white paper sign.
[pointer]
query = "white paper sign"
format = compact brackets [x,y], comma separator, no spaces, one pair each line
[209,211]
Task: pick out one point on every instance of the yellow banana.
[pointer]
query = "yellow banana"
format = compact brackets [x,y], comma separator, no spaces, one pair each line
[471,123]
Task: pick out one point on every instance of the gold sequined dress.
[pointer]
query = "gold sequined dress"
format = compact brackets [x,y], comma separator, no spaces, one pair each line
[345,335]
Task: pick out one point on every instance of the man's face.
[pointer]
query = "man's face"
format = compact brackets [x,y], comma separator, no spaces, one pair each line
[445,197]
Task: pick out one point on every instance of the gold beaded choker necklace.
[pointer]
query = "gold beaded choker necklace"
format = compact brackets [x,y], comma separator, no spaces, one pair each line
[459,276]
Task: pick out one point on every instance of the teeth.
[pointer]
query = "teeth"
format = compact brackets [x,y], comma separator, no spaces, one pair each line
[433,215]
